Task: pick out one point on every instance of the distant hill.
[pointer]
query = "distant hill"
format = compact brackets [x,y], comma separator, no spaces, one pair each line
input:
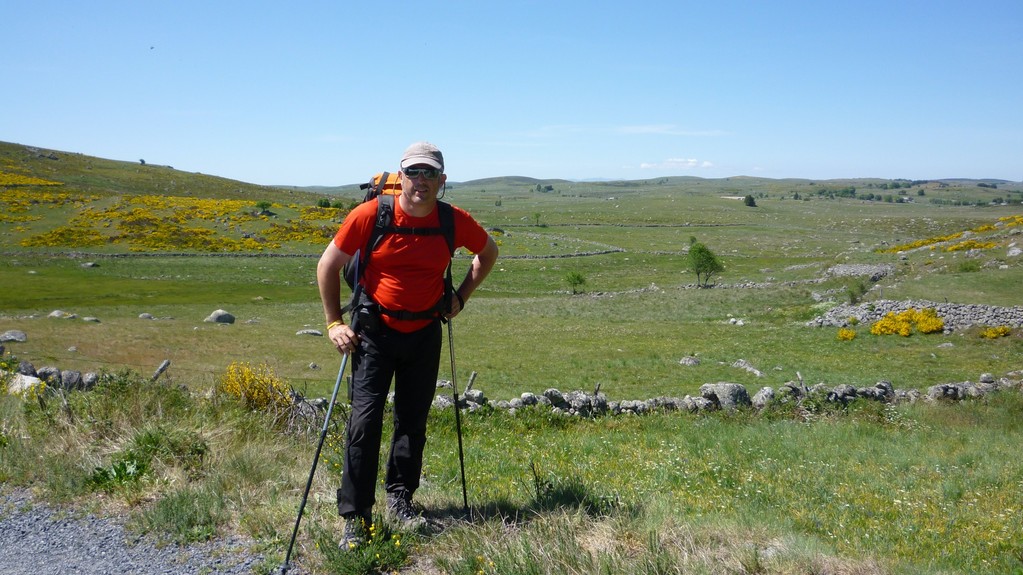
[112,177]
[102,176]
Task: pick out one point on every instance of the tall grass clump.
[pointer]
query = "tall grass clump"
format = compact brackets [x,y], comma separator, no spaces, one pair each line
[187,465]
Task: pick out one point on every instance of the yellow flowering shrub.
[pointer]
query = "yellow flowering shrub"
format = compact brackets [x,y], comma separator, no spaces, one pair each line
[970,245]
[902,323]
[921,243]
[846,334]
[8,179]
[996,332]
[258,388]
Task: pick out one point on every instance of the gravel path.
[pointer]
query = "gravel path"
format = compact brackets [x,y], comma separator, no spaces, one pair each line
[37,539]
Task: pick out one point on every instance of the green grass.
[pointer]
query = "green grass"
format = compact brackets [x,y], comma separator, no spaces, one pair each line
[868,489]
[871,490]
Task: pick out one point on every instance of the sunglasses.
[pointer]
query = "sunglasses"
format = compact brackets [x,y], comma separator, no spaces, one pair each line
[428,173]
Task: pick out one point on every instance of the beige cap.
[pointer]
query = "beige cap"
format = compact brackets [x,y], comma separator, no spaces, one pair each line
[423,153]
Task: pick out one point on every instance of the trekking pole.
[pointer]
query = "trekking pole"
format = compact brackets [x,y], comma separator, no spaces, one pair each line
[316,459]
[458,418]
[326,421]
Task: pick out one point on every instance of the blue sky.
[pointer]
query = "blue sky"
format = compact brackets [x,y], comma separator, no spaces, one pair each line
[328,93]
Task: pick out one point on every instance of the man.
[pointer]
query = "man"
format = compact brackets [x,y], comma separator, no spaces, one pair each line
[398,333]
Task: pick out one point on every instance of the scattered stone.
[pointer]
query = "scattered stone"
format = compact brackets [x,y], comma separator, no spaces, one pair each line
[727,396]
[61,314]
[21,384]
[873,272]
[690,361]
[743,364]
[763,397]
[146,316]
[49,374]
[13,335]
[220,316]
[315,332]
[90,265]
[91,319]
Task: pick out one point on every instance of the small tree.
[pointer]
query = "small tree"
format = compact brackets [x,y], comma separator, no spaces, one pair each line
[704,263]
[575,281]
[263,206]
[749,201]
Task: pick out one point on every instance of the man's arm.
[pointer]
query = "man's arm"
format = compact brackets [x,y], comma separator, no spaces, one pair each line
[482,263]
[328,280]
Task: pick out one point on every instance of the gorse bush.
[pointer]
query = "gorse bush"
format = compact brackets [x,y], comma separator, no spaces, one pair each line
[846,334]
[258,388]
[925,321]
[996,332]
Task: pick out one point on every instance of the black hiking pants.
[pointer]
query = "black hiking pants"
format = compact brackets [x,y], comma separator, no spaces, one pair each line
[412,360]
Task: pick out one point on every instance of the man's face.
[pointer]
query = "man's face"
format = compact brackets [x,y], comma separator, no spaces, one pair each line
[421,183]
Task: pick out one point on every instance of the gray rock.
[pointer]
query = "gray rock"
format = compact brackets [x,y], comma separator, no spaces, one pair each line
[220,316]
[25,367]
[49,374]
[726,395]
[314,332]
[20,383]
[556,398]
[13,335]
[70,379]
[474,396]
[743,364]
[763,397]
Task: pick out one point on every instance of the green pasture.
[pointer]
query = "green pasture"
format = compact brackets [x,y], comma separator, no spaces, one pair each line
[871,489]
[637,316]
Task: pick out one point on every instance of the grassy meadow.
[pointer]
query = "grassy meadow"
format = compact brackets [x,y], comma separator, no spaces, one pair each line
[870,489]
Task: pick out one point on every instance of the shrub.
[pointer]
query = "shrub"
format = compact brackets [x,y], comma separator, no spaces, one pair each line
[846,334]
[258,388]
[968,267]
[902,323]
[575,281]
[996,332]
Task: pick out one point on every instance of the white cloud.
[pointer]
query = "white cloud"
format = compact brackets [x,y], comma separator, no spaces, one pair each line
[667,130]
[677,164]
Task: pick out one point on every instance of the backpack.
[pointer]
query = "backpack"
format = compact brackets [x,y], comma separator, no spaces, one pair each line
[384,187]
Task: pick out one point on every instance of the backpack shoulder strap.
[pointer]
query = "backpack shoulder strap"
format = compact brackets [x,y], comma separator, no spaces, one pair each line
[447,224]
[374,188]
[384,222]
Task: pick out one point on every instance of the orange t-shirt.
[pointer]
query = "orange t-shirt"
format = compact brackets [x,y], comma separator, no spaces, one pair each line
[406,271]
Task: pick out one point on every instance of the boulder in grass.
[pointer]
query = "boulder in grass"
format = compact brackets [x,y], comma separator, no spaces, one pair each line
[24,385]
[727,396]
[220,316]
[14,335]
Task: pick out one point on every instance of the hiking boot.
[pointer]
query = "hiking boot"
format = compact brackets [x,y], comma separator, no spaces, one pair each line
[403,511]
[355,533]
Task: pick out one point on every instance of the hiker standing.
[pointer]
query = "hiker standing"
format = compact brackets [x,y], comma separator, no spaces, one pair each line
[398,330]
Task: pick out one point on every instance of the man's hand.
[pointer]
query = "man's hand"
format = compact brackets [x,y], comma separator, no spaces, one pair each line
[343,337]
